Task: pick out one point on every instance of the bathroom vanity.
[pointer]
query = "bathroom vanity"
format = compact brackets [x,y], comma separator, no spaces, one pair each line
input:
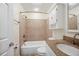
[54,45]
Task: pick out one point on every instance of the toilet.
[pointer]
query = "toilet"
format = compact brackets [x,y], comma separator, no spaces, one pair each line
[42,51]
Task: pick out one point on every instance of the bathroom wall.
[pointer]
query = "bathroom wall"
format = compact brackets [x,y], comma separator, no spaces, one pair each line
[17,8]
[22,29]
[36,26]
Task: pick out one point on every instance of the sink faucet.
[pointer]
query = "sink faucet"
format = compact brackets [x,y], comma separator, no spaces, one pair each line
[75,38]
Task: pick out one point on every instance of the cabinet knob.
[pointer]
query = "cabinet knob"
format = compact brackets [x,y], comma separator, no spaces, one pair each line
[11,44]
[15,47]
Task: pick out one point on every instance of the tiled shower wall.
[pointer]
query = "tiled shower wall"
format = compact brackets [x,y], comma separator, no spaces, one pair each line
[33,26]
[36,29]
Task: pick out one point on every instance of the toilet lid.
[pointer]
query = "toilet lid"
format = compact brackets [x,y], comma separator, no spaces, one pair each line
[42,50]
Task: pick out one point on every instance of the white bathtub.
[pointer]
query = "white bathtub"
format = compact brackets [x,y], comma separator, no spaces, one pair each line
[29,48]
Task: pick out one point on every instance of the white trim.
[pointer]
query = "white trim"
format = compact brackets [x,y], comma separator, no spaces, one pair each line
[51,8]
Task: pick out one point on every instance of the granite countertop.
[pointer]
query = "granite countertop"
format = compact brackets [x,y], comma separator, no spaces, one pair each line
[52,44]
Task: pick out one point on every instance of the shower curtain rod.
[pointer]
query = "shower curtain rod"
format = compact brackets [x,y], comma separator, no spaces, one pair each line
[33,12]
[36,19]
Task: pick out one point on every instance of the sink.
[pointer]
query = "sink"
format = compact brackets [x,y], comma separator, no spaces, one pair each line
[67,49]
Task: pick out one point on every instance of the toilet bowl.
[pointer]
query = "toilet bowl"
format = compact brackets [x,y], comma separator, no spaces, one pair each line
[42,51]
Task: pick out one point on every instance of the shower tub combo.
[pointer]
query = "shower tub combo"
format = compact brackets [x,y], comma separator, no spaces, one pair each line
[36,48]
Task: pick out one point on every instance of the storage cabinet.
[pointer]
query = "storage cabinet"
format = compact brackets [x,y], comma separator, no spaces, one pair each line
[57,20]
[57,16]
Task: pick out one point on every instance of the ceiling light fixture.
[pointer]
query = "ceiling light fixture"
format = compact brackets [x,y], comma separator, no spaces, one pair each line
[36,9]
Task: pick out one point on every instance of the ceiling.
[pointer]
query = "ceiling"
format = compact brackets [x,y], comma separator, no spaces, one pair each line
[42,7]
[73,5]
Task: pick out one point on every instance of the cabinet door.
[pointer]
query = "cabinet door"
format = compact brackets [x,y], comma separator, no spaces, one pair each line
[6,30]
[60,15]
[3,21]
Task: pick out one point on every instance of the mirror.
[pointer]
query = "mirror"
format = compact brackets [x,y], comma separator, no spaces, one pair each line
[73,17]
